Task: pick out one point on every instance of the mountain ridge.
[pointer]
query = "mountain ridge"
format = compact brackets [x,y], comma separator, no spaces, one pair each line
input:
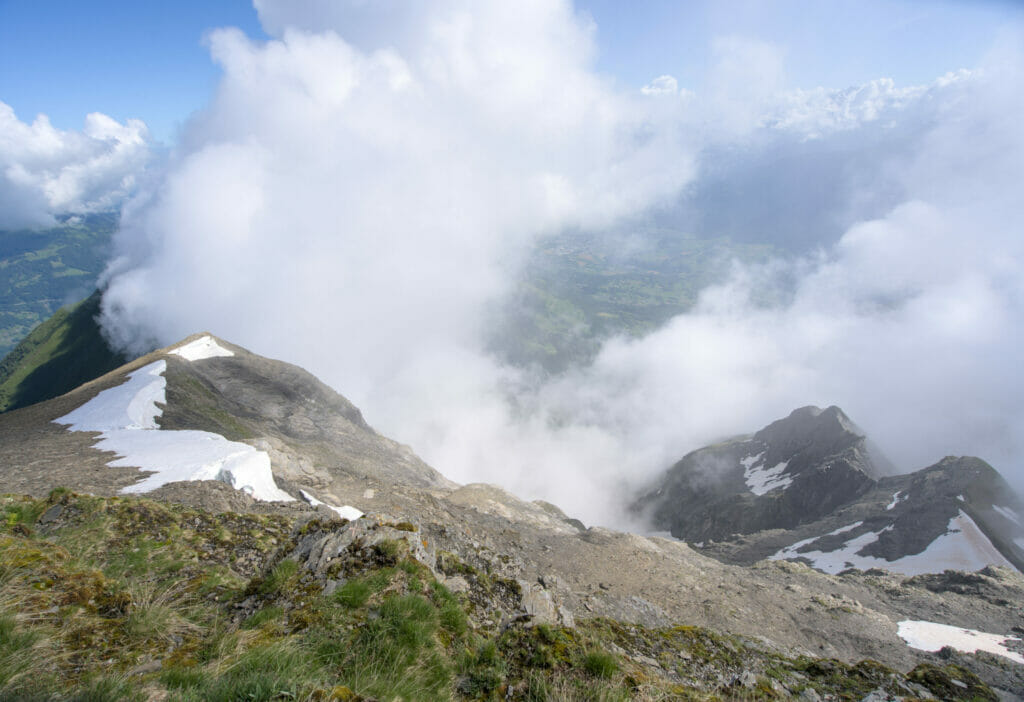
[555,571]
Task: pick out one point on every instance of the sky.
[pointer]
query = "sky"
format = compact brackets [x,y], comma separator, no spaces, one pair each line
[149,60]
[352,186]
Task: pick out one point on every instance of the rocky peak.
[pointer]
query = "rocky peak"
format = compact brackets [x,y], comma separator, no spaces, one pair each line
[793,471]
[811,432]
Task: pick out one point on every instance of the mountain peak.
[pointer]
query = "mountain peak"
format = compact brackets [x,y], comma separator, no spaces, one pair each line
[795,470]
[205,409]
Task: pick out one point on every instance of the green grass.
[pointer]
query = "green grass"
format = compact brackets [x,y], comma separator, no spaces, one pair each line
[57,356]
[279,577]
[600,664]
[19,656]
[83,616]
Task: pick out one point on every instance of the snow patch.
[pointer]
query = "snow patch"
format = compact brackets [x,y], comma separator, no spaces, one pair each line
[125,417]
[929,636]
[129,406]
[345,511]
[962,547]
[1008,513]
[751,460]
[760,479]
[896,499]
[202,348]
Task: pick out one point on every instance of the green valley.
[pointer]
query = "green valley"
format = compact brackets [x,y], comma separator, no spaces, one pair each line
[43,270]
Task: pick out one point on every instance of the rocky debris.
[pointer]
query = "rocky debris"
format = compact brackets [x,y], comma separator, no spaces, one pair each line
[493,500]
[992,584]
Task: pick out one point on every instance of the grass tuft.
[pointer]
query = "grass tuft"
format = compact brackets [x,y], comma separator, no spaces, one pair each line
[600,664]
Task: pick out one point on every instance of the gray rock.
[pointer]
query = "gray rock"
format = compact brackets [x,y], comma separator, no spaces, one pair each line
[457,584]
[540,607]
[52,513]
[746,679]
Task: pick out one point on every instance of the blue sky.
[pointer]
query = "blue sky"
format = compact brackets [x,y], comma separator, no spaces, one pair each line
[148,60]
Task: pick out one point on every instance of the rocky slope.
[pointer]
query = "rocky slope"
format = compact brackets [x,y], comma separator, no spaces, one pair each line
[519,563]
[792,472]
[809,488]
[313,438]
[131,599]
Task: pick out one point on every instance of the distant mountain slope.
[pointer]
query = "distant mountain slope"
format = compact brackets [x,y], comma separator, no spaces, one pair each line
[57,356]
[810,487]
[43,270]
[959,513]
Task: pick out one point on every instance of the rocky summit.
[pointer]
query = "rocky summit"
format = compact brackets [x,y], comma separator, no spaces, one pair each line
[810,488]
[205,523]
[792,472]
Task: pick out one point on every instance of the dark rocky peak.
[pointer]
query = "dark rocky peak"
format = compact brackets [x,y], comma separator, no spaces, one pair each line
[794,471]
[810,435]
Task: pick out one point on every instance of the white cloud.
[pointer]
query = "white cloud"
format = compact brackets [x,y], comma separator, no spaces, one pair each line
[662,85]
[912,322]
[363,185]
[356,210]
[45,171]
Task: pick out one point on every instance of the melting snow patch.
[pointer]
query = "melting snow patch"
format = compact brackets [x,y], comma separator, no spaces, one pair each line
[761,479]
[929,636]
[125,416]
[345,511]
[896,499]
[1008,513]
[202,348]
[962,547]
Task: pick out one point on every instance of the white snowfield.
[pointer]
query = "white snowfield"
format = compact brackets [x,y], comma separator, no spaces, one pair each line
[126,416]
[760,479]
[929,636]
[202,348]
[345,511]
[962,547]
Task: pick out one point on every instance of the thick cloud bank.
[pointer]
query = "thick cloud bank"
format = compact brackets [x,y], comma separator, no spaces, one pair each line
[46,171]
[362,187]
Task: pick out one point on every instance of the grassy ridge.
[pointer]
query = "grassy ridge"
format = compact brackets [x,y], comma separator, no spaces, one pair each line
[130,599]
[42,270]
[57,356]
